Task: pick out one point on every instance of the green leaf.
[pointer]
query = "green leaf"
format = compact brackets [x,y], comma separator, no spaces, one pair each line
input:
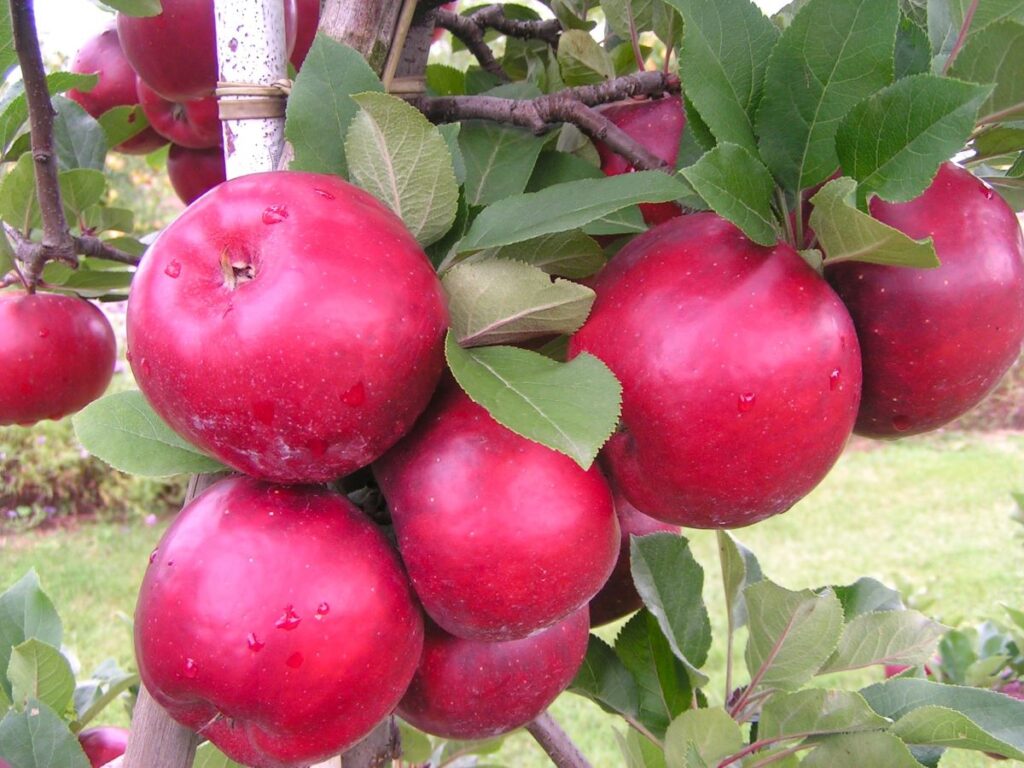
[739,188]
[894,142]
[835,53]
[18,204]
[662,680]
[25,612]
[78,139]
[946,18]
[79,189]
[450,132]
[710,733]
[604,679]
[913,51]
[499,160]
[443,80]
[867,595]
[857,750]
[886,637]
[791,633]
[939,726]
[416,746]
[816,712]
[320,106]
[996,55]
[848,234]
[444,251]
[569,407]
[740,568]
[38,671]
[395,154]
[998,140]
[135,7]
[563,207]
[671,584]
[567,254]
[124,431]
[208,756]
[582,60]
[98,694]
[122,123]
[725,50]
[105,219]
[86,282]
[638,750]
[15,106]
[8,56]
[36,737]
[6,254]
[500,302]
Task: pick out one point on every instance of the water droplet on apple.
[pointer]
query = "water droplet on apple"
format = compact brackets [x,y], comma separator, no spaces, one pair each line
[833,379]
[901,423]
[355,396]
[254,645]
[173,269]
[146,367]
[324,194]
[152,556]
[746,401]
[44,332]
[275,214]
[191,669]
[322,610]
[289,619]
[295,660]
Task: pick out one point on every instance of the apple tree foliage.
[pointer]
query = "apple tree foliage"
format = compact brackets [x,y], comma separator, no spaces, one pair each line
[887,90]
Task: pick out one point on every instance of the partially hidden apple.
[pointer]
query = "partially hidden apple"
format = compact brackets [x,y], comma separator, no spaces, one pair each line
[740,373]
[57,354]
[936,341]
[103,744]
[468,689]
[115,87]
[306,21]
[502,536]
[277,622]
[657,124]
[289,324]
[618,597]
[193,124]
[194,172]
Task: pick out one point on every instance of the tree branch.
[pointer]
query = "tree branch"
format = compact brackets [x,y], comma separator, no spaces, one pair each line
[378,749]
[572,105]
[472,34]
[493,16]
[553,740]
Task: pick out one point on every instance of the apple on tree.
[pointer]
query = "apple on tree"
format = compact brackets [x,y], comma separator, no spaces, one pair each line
[193,124]
[103,744]
[194,172]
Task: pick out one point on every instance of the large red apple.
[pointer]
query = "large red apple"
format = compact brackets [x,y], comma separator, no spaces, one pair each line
[194,172]
[936,341]
[502,536]
[115,87]
[175,52]
[277,622]
[657,124]
[289,324]
[740,373]
[618,597]
[468,689]
[193,124]
[57,355]
[101,745]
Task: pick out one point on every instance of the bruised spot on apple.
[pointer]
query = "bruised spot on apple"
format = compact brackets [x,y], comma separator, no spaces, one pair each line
[936,341]
[276,621]
[103,744]
[502,536]
[468,689]
[740,373]
[288,324]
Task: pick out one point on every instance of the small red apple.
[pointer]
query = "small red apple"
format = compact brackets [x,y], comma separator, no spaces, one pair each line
[289,324]
[115,87]
[502,536]
[101,745]
[57,354]
[307,18]
[277,622]
[468,689]
[658,125]
[439,31]
[194,172]
[193,124]
[936,341]
[740,373]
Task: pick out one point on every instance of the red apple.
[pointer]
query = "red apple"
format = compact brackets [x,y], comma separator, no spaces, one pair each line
[289,324]
[468,689]
[618,597]
[277,622]
[657,124]
[502,536]
[740,373]
[936,341]
[101,745]
[115,87]
[307,18]
[175,52]
[439,31]
[193,124]
[57,354]
[194,172]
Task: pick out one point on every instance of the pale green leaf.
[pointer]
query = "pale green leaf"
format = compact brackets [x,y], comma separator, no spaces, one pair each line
[566,254]
[996,55]
[78,138]
[79,189]
[582,60]
[18,204]
[739,569]
[710,733]
[858,750]
[816,712]
[208,756]
[122,123]
[25,612]
[638,751]
[38,670]
[37,737]
[945,21]
[886,637]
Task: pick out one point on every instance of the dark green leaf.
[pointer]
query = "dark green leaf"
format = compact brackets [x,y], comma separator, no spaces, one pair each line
[135,7]
[443,80]
[499,160]
[816,712]
[996,55]
[566,254]
[78,139]
[946,19]
[450,132]
[36,737]
[867,595]
[942,727]
[18,204]
[604,679]
[886,637]
[25,612]
[80,188]
[913,51]
[638,751]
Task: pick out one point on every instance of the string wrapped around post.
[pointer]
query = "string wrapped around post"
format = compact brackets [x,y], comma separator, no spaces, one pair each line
[252,101]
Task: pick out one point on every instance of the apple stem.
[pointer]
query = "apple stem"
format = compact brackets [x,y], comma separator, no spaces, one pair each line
[556,743]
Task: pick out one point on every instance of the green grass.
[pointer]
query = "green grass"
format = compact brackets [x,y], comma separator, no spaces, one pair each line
[931,516]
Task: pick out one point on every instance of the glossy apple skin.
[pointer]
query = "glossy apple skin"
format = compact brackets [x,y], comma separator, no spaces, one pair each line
[282,612]
[193,124]
[115,87]
[57,353]
[936,341]
[740,373]
[101,745]
[194,172]
[175,52]
[658,125]
[307,19]
[501,536]
[316,365]
[468,689]
[618,597]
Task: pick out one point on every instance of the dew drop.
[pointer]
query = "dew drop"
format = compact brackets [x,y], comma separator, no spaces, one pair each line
[355,396]
[746,401]
[833,379]
[322,610]
[295,660]
[44,332]
[289,619]
[191,668]
[901,423]
[254,645]
[275,214]
[152,556]
[324,194]
[173,269]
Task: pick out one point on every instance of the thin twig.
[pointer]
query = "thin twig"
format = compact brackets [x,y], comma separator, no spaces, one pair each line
[961,38]
[554,741]
[493,16]
[472,35]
